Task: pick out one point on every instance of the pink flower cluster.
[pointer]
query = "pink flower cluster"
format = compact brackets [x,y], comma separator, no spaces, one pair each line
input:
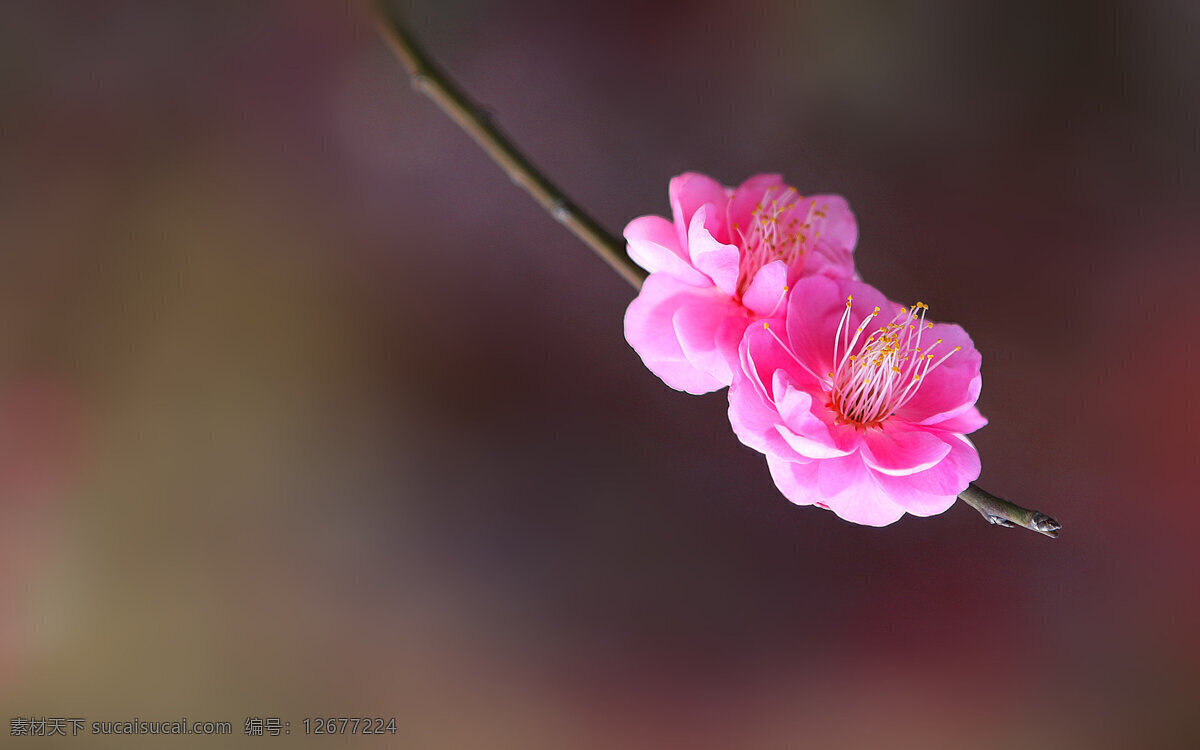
[861,405]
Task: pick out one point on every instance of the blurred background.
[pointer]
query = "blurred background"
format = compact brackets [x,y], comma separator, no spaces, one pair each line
[305,410]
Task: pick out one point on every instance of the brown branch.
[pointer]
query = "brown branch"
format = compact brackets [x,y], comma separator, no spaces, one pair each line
[1004,513]
[430,80]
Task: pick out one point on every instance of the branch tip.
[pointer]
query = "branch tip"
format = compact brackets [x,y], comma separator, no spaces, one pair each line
[1046,524]
[1003,513]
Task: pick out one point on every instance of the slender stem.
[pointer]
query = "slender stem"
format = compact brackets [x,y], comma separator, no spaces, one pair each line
[430,80]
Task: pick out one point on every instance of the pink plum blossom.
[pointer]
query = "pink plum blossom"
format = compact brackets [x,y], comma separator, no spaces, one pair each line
[861,405]
[726,259]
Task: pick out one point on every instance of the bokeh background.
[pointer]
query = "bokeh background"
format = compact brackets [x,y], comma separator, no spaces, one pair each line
[305,410]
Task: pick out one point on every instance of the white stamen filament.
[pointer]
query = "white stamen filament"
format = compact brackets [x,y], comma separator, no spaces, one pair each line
[776,232]
[888,368]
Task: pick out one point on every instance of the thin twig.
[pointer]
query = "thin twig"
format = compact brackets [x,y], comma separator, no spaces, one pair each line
[1003,513]
[430,80]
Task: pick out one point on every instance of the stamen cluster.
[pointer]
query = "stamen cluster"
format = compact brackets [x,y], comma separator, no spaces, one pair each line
[872,379]
[778,231]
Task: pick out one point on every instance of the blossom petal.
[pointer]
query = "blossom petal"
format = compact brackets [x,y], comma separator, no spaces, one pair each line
[835,234]
[953,386]
[966,421]
[654,245]
[752,410]
[749,195]
[690,191]
[767,290]
[716,259]
[912,499]
[837,474]
[814,304]
[934,490]
[832,261]
[898,450]
[650,330]
[753,418]
[762,354]
[949,476]
[796,480]
[708,332]
[817,303]
[860,498]
[794,404]
[807,447]
[802,427]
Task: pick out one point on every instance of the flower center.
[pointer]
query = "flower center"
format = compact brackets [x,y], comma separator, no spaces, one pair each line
[779,227]
[879,374]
